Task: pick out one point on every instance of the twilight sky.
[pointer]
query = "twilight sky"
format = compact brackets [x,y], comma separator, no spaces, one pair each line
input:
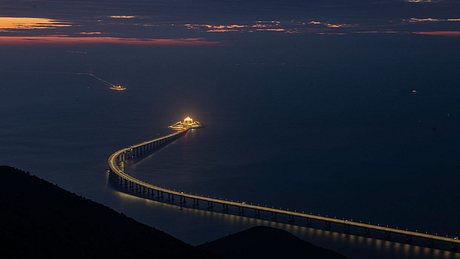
[206,21]
[339,73]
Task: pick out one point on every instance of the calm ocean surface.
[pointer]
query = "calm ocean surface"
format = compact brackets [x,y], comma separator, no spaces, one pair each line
[322,124]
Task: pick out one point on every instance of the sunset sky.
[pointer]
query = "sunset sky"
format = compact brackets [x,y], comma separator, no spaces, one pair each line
[182,22]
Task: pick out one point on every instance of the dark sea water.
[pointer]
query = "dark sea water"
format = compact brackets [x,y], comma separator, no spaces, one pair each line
[318,123]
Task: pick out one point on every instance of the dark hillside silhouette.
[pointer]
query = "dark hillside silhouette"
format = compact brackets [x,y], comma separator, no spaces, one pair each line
[39,219]
[266,242]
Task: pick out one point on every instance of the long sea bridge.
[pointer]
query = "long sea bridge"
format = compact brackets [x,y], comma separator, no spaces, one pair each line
[126,183]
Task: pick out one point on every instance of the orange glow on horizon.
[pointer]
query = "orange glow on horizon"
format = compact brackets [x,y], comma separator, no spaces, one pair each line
[439,33]
[28,23]
[70,40]
[90,33]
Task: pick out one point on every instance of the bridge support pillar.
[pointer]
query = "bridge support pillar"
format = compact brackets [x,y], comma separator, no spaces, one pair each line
[327,225]
[347,229]
[148,193]
[182,201]
[387,235]
[240,211]
[224,208]
[274,217]
[291,219]
[367,232]
[408,240]
[430,243]
[256,213]
[210,205]
[169,197]
[308,222]
[196,203]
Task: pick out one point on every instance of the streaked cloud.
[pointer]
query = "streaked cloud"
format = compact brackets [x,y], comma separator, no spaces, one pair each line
[29,23]
[90,33]
[69,40]
[122,16]
[439,33]
[422,1]
[429,19]
[331,33]
[257,26]
[147,30]
[335,26]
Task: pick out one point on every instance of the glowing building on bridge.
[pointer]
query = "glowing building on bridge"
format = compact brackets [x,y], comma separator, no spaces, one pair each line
[187,123]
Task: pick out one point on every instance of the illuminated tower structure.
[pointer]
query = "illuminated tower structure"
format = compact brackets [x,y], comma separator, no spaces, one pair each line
[188,123]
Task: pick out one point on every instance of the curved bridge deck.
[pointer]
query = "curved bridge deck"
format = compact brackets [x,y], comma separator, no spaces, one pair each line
[118,160]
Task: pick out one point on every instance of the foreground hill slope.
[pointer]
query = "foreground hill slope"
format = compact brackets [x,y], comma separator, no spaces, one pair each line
[265,242]
[41,220]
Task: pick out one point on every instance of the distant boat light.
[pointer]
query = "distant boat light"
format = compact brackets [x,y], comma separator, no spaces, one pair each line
[117,88]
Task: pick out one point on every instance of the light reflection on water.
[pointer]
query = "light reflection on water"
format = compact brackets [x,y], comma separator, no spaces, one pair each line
[343,242]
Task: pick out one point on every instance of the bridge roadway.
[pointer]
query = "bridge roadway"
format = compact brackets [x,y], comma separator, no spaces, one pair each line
[117,162]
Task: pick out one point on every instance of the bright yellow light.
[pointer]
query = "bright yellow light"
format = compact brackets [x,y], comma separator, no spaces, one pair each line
[188,121]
